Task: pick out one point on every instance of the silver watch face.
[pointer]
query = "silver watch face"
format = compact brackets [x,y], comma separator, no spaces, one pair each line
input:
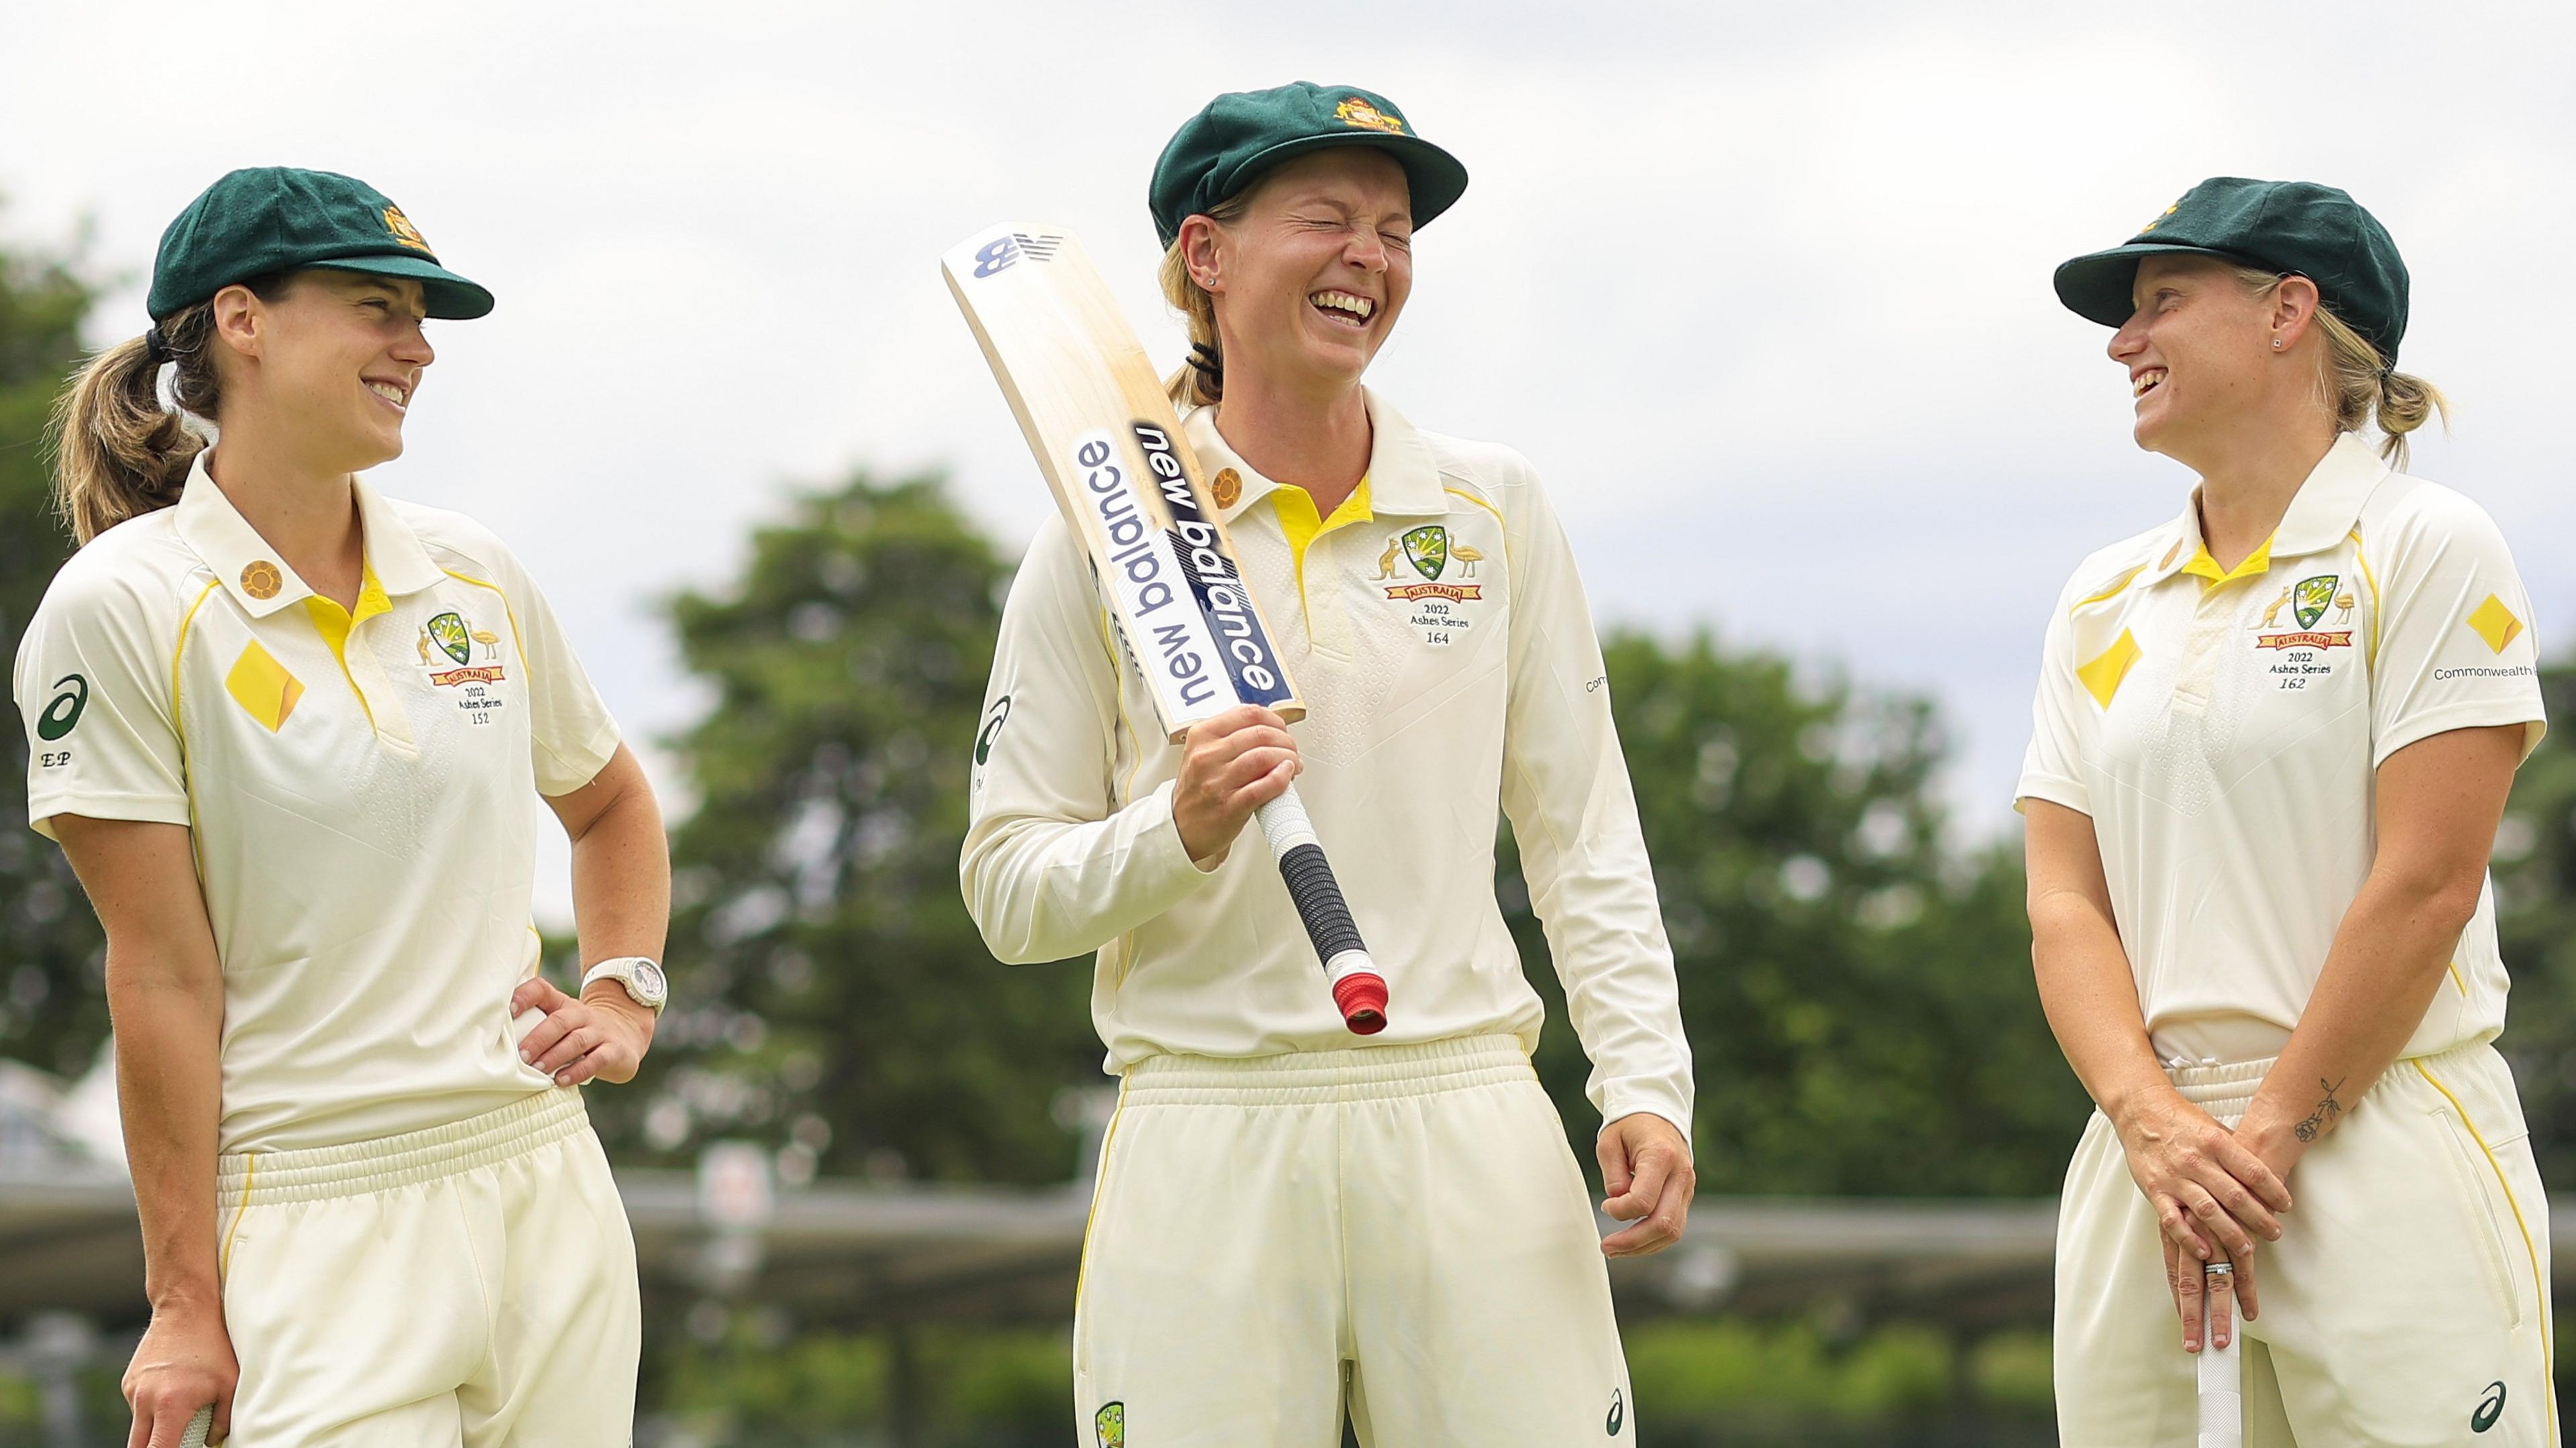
[649,985]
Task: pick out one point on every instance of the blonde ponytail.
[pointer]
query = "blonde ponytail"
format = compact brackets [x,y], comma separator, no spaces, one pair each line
[1201,381]
[2360,385]
[118,452]
[2363,388]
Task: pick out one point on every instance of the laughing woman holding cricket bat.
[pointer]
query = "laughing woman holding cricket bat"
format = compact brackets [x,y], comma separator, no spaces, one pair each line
[287,729]
[2273,742]
[1292,1222]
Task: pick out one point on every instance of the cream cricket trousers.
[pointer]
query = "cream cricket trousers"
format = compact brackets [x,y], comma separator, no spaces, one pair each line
[1399,1229]
[468,1286]
[2407,1301]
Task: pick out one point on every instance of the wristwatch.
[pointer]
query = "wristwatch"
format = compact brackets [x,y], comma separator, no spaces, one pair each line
[640,978]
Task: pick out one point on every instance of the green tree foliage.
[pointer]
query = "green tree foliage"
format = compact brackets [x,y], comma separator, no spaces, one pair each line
[833,996]
[2535,882]
[1857,990]
[53,1012]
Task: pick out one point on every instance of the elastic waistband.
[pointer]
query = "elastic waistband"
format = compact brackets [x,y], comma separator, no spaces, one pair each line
[1374,1073]
[264,1178]
[2225,1091]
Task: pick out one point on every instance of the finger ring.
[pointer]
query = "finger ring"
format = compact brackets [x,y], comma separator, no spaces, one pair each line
[2220,1269]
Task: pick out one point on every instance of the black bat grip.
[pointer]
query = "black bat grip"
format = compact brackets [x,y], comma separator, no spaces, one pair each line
[1358,989]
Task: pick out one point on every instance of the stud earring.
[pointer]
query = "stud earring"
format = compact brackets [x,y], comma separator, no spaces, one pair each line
[2276,344]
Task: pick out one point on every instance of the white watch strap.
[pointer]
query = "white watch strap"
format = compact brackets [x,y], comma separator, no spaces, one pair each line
[621,969]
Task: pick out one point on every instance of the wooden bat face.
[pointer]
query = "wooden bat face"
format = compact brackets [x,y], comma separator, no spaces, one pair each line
[1105,435]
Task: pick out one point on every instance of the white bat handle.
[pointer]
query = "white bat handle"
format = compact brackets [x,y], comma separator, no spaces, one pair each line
[1358,989]
[198,1427]
[2222,1392]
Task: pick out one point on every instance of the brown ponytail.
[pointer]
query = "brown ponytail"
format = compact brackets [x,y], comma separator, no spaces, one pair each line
[118,452]
[1202,382]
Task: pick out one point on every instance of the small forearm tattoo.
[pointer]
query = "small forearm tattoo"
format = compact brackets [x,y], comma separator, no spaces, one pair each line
[2324,1116]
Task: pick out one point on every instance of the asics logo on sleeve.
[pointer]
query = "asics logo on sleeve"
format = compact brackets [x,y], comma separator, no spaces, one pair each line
[64,710]
[1618,1414]
[994,719]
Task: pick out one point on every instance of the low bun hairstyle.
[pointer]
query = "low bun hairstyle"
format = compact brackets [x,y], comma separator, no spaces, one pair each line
[2360,384]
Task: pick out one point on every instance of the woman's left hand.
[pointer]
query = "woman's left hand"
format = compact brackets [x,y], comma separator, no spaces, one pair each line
[604,1034]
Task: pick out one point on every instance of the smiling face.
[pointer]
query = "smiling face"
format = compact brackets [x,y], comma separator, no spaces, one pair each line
[1309,280]
[2200,350]
[340,353]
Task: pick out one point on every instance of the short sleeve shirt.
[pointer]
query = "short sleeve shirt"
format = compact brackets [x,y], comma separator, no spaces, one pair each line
[2224,730]
[360,786]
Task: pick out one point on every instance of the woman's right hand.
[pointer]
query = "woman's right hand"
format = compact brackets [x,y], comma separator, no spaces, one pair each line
[184,1363]
[2213,1197]
[1231,764]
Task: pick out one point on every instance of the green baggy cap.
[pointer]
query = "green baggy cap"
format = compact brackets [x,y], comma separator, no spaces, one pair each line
[1241,134]
[2318,232]
[268,219]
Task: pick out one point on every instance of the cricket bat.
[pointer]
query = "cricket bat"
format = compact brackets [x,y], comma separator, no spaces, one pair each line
[2222,1383]
[198,1427]
[1111,447]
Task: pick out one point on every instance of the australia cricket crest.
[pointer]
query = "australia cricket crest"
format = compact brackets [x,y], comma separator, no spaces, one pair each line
[1430,550]
[1427,549]
[449,634]
[1110,1425]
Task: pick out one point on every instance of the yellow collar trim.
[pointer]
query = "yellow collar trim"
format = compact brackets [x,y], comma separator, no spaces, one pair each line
[1296,509]
[2202,565]
[335,622]
[1298,520]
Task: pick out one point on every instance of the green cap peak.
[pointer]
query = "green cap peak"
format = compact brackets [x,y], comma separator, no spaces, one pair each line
[2318,232]
[1241,134]
[267,219]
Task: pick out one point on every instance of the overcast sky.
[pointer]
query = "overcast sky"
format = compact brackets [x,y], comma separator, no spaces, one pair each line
[1763,291]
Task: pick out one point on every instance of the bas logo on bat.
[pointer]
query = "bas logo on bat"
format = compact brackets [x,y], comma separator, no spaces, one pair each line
[999,253]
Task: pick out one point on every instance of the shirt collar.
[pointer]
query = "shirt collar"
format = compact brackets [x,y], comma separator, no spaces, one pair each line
[2322,514]
[394,551]
[251,571]
[1404,478]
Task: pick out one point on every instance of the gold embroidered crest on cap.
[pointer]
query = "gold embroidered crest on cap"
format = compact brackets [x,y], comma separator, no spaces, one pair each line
[1227,486]
[2160,218]
[404,232]
[262,580]
[2495,623]
[1357,111]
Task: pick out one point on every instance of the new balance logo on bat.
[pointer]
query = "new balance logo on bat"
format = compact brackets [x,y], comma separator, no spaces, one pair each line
[998,254]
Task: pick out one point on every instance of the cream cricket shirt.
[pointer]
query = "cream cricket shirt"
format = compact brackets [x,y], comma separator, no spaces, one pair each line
[1440,639]
[2224,732]
[358,786]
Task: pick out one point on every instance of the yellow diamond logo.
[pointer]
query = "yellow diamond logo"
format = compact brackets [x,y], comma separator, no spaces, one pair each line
[2495,623]
[2101,678]
[263,687]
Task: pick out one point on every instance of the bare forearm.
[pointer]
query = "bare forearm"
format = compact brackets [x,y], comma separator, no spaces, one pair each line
[168,1038]
[621,881]
[2392,952]
[2091,1001]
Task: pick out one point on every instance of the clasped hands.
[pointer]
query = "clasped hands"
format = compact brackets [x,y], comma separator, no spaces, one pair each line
[2217,1193]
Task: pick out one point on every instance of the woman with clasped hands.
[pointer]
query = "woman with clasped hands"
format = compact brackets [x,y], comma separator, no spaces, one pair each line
[2273,741]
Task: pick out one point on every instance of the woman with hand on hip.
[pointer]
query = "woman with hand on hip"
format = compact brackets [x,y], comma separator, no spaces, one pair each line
[2273,740]
[286,729]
